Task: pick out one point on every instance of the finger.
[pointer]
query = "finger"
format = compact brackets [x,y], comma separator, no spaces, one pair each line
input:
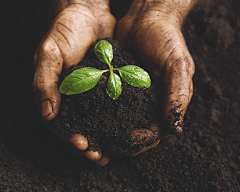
[148,138]
[48,67]
[81,143]
[93,155]
[146,148]
[103,161]
[77,141]
[144,139]
[179,70]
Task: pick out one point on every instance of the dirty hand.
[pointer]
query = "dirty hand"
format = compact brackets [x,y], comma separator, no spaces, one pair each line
[77,25]
[152,29]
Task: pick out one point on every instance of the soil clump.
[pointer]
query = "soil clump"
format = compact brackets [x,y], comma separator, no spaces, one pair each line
[108,123]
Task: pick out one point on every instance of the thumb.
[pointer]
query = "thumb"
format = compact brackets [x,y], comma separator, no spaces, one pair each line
[178,72]
[164,50]
[48,67]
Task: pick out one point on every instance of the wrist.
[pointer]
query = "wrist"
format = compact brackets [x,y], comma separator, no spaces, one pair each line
[59,5]
[173,11]
[177,9]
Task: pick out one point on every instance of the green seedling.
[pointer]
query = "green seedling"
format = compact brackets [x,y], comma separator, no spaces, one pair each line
[86,78]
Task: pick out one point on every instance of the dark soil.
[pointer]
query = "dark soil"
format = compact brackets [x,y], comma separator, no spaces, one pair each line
[205,157]
[108,123]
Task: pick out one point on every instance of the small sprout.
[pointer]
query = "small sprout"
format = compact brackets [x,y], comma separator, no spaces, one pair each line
[86,78]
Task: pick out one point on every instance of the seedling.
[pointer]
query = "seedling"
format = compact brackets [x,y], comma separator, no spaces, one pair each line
[86,78]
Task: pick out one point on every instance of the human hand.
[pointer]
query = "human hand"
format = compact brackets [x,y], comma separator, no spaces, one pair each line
[78,24]
[152,29]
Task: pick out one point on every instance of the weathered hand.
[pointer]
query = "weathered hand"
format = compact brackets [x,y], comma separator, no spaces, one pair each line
[77,26]
[152,29]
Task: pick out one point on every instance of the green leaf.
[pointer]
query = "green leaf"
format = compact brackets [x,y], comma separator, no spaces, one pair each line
[135,76]
[81,80]
[114,86]
[104,51]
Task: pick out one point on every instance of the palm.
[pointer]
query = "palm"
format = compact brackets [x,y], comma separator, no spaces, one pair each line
[73,32]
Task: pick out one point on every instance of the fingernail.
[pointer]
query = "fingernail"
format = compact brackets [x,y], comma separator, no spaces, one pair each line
[46,108]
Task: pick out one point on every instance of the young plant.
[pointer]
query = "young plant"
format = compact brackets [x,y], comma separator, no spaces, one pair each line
[86,78]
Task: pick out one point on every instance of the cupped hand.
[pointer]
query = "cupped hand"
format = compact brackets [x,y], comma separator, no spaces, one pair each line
[75,28]
[152,30]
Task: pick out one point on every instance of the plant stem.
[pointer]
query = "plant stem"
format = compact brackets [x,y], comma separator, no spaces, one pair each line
[105,70]
[110,68]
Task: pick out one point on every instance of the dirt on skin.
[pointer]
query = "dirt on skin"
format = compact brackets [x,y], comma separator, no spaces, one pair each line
[205,157]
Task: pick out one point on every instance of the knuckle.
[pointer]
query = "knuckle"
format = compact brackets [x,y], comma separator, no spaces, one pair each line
[37,84]
[50,51]
[46,47]
[48,58]
[180,64]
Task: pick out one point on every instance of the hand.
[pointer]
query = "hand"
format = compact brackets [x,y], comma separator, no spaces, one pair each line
[75,28]
[152,29]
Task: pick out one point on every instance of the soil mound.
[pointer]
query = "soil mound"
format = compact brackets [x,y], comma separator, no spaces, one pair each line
[107,123]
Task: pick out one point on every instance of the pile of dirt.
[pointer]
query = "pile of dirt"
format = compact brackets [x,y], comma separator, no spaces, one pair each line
[107,123]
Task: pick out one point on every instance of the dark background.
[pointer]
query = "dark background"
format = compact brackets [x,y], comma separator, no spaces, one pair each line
[205,157]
